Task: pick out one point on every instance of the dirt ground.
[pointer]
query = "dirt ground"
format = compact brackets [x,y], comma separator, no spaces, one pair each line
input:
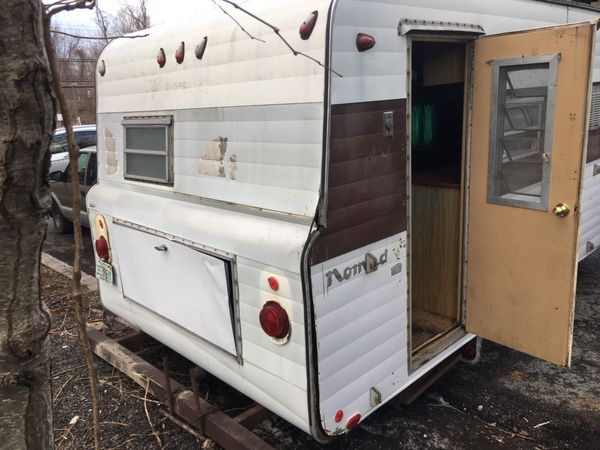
[507,401]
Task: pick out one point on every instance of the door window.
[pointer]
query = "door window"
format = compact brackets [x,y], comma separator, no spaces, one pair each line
[521,131]
[82,168]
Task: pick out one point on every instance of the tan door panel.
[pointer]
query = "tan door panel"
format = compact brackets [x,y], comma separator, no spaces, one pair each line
[522,255]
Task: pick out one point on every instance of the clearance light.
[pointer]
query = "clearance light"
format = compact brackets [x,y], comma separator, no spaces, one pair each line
[102,68]
[353,421]
[364,42]
[308,25]
[201,48]
[180,53]
[274,320]
[273,283]
[339,415]
[101,246]
[161,59]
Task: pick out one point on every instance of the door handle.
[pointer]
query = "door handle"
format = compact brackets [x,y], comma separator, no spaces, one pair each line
[561,210]
[161,248]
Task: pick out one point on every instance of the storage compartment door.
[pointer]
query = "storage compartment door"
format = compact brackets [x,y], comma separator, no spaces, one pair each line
[525,175]
[189,288]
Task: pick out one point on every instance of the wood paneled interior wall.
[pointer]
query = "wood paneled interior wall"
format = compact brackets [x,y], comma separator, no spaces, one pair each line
[367,178]
[435,249]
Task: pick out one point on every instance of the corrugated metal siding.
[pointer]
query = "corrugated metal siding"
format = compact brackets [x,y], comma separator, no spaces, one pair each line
[589,227]
[361,328]
[235,70]
[380,73]
[367,178]
[277,150]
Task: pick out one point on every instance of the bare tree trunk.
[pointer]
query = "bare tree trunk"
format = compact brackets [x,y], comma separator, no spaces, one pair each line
[27,109]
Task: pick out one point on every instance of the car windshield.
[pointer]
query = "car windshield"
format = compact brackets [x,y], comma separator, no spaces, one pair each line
[83,138]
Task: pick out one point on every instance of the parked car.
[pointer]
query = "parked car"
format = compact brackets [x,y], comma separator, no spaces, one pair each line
[85,136]
[60,187]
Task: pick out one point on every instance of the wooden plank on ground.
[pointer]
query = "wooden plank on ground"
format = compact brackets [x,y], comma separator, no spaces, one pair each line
[213,422]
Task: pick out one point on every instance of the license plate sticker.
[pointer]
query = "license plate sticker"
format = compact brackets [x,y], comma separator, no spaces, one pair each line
[104,271]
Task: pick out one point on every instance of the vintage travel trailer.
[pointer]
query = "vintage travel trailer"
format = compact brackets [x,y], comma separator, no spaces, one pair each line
[322,233]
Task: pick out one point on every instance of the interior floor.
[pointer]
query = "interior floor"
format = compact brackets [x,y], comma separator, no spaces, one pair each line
[437,91]
[427,325]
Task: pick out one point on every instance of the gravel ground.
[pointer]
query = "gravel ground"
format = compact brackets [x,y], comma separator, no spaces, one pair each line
[507,401]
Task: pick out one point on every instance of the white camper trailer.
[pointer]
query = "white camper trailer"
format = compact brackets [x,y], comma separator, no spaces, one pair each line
[321,238]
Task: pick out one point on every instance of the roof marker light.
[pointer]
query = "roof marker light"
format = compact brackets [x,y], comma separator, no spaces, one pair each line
[102,68]
[273,283]
[201,48]
[308,25]
[180,53]
[161,59]
[364,42]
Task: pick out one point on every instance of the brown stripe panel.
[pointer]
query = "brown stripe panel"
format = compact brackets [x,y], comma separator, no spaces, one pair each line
[367,178]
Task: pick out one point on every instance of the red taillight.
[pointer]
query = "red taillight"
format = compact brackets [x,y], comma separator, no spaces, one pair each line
[339,415]
[273,283]
[364,42]
[353,421]
[102,248]
[274,320]
[308,25]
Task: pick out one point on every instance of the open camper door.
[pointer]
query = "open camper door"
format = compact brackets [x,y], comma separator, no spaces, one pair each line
[527,145]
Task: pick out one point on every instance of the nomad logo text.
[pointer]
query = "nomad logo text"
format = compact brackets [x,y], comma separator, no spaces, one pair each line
[352,271]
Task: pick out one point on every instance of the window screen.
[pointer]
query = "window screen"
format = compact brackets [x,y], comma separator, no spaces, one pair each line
[148,149]
[521,132]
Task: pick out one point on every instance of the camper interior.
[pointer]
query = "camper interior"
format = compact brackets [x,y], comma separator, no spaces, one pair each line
[437,94]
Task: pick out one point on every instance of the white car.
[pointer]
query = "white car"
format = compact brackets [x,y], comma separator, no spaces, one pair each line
[85,136]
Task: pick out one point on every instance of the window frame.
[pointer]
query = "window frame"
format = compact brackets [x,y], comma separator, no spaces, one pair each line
[165,122]
[496,127]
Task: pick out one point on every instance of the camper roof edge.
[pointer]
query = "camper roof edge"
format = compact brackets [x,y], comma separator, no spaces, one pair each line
[573,4]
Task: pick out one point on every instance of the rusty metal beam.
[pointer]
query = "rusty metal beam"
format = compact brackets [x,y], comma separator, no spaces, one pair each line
[218,426]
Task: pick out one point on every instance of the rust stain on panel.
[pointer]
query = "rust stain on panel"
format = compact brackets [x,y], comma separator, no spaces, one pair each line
[211,162]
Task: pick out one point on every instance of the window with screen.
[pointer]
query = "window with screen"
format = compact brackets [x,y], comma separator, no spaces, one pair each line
[148,149]
[521,131]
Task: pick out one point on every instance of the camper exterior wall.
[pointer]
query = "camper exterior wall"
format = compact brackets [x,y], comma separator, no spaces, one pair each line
[368,78]
[264,101]
[247,130]
[257,114]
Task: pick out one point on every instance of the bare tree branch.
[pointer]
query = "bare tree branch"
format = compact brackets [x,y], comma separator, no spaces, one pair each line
[68,5]
[76,197]
[238,24]
[95,38]
[103,25]
[277,32]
